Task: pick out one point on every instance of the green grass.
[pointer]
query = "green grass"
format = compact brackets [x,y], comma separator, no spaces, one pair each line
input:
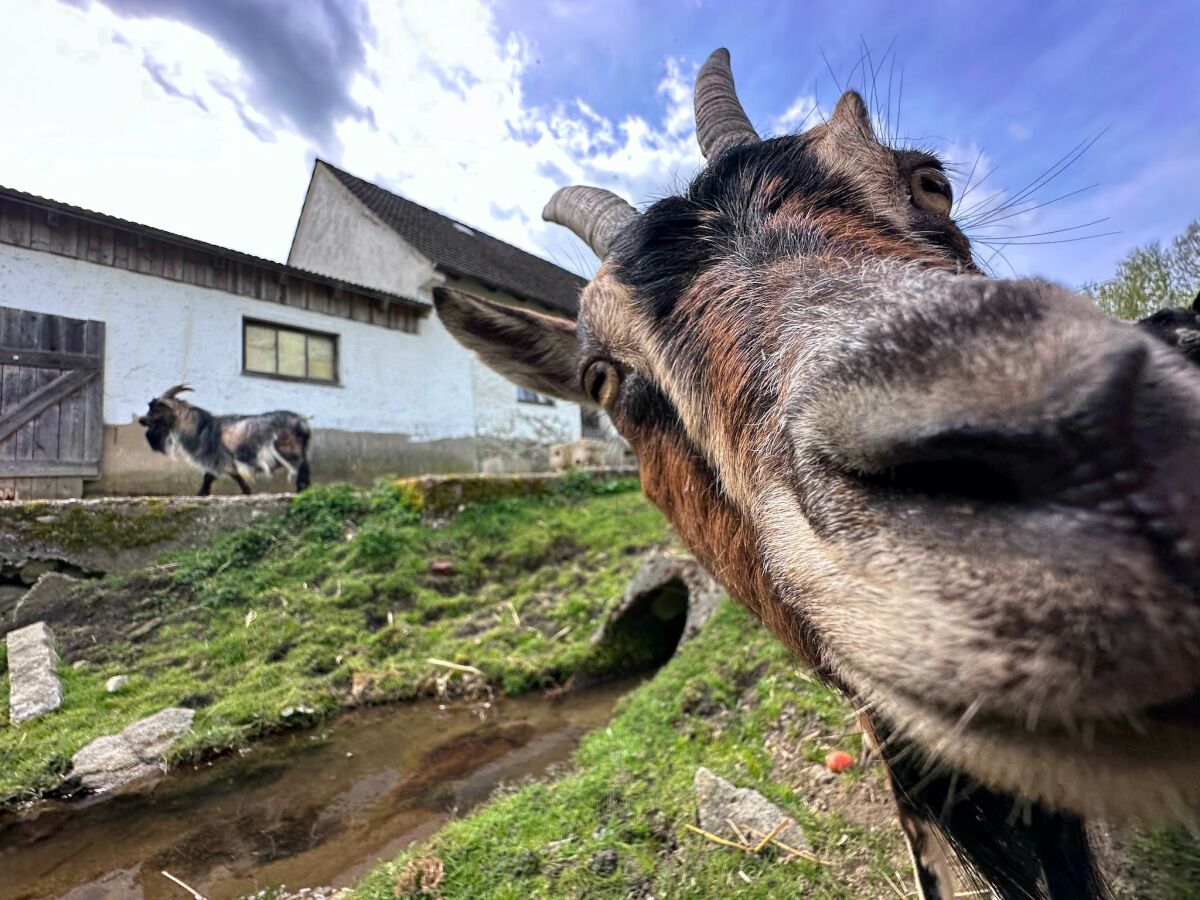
[286,622]
[719,703]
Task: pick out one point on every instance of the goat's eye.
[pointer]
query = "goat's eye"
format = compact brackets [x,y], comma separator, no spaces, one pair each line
[931,191]
[601,381]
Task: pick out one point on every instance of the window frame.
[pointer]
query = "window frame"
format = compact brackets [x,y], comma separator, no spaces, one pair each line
[535,399]
[334,339]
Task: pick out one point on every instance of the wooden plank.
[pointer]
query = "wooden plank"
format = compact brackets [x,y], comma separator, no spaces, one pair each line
[172,263]
[71,409]
[93,442]
[48,359]
[64,236]
[15,227]
[23,414]
[45,426]
[9,383]
[47,468]
[121,246]
[35,399]
[39,237]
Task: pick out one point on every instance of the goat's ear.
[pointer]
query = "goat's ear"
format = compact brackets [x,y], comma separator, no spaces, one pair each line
[535,351]
[1196,303]
[851,115]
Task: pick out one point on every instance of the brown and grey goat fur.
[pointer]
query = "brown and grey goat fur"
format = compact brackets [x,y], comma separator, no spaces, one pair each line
[236,446]
[971,505]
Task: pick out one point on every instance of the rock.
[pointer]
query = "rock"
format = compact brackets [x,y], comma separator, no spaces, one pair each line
[42,602]
[718,802]
[603,862]
[115,683]
[441,567]
[31,571]
[80,664]
[34,688]
[145,628]
[135,752]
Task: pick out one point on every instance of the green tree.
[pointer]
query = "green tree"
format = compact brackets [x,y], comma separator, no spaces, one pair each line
[1152,277]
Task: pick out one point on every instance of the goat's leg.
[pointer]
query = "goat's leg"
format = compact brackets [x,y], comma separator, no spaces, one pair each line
[206,484]
[297,465]
[241,482]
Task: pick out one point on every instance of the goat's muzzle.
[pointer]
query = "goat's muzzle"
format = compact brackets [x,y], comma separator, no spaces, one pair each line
[1015,509]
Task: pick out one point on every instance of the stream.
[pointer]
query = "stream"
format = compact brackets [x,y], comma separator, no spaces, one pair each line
[305,809]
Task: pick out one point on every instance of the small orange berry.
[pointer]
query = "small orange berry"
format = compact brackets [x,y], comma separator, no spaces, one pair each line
[838,761]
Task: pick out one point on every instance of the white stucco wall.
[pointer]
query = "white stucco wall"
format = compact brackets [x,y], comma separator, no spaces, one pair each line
[337,235]
[499,414]
[161,332]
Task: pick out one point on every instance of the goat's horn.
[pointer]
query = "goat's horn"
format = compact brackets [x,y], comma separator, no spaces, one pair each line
[594,214]
[172,393]
[720,120]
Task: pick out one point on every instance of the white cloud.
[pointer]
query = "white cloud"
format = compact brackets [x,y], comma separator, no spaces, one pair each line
[151,120]
[90,125]
[804,112]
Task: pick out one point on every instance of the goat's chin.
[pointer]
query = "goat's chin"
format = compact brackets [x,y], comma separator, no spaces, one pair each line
[1120,769]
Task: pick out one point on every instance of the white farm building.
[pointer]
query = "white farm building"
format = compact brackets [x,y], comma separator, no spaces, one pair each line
[343,333]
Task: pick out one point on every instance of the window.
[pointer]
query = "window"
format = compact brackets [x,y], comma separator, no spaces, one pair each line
[524,395]
[590,427]
[280,351]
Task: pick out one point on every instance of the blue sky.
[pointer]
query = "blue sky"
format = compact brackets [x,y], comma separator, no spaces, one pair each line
[204,116]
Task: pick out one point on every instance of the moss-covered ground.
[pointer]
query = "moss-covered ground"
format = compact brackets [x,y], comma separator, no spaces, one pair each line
[338,603]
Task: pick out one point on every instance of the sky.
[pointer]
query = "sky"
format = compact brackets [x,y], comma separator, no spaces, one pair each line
[204,117]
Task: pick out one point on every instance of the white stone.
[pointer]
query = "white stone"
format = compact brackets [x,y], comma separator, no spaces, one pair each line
[718,803]
[34,688]
[134,753]
[115,683]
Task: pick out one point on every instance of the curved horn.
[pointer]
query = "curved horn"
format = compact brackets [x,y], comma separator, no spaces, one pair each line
[172,393]
[594,214]
[720,120]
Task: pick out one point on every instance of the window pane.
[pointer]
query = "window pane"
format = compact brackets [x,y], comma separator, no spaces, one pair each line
[260,349]
[291,354]
[320,358]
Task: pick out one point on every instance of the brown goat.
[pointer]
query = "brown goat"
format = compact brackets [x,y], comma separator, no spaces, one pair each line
[971,505]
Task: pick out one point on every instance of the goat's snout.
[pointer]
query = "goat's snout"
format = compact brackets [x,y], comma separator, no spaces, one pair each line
[1042,460]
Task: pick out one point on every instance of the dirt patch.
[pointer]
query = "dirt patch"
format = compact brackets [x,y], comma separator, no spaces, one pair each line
[861,798]
[103,613]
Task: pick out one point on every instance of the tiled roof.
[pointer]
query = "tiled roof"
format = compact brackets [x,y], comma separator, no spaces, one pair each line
[460,249]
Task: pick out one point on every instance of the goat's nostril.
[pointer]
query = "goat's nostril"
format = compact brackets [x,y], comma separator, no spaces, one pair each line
[1081,454]
[971,463]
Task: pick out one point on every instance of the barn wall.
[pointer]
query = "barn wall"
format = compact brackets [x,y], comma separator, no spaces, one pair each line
[162,332]
[338,236]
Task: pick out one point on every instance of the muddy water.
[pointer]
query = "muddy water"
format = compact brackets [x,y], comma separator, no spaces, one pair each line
[306,809]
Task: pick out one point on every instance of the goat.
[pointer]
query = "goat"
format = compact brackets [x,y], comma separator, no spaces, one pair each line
[1178,328]
[971,505]
[233,445]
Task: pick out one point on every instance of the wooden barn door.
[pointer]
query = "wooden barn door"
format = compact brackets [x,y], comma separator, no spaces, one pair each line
[51,404]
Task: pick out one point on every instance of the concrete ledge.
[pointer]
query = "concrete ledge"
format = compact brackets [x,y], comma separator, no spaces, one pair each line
[440,496]
[118,534]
